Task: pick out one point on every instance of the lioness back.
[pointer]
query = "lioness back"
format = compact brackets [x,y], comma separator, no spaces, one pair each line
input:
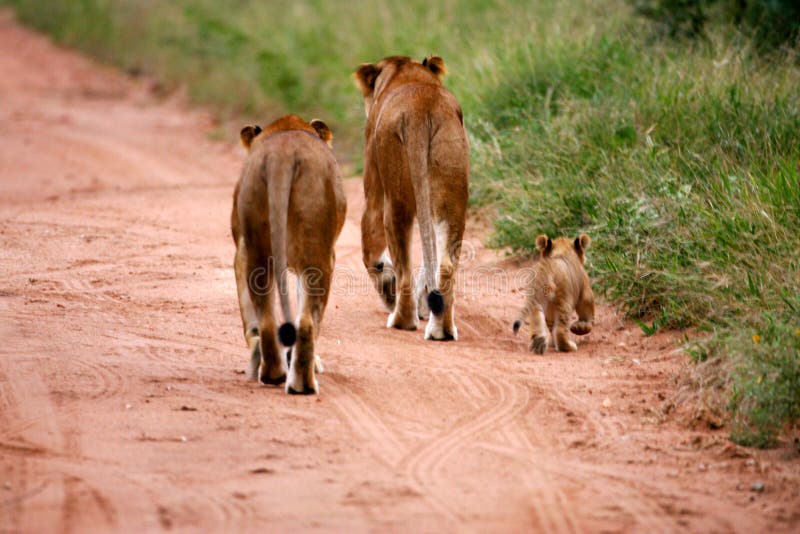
[315,172]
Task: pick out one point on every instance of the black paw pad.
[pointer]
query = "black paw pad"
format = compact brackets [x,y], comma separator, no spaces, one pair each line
[517,325]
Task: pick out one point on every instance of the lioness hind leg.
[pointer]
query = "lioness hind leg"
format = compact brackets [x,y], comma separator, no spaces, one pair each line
[272,371]
[421,295]
[585,310]
[301,379]
[247,308]
[398,234]
[373,240]
[254,346]
[449,192]
[441,324]
[313,292]
[261,288]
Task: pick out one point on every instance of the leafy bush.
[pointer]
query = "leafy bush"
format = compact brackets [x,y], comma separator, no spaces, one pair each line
[771,22]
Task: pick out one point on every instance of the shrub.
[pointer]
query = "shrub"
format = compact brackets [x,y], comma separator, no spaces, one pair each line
[771,23]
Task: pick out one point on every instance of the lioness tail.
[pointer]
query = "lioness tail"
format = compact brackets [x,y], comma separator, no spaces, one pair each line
[279,178]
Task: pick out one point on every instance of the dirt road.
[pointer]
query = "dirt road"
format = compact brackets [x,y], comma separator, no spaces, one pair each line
[123,403]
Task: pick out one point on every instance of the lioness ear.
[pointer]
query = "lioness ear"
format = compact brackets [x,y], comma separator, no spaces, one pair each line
[436,65]
[365,77]
[582,243]
[544,244]
[247,135]
[322,130]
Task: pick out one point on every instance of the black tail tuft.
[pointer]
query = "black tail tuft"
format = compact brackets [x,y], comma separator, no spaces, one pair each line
[517,324]
[436,302]
[287,334]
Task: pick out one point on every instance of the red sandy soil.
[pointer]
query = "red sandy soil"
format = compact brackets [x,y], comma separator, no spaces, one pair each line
[123,403]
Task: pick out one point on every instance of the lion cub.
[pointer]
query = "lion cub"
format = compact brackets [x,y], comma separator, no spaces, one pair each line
[559,286]
[288,210]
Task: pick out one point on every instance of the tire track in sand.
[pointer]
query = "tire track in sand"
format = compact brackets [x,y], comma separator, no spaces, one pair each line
[424,465]
[538,453]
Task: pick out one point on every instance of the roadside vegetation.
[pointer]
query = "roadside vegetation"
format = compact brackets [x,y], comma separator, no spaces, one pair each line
[674,143]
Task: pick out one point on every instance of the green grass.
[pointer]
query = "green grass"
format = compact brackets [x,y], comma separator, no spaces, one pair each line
[249,58]
[680,159]
[682,163]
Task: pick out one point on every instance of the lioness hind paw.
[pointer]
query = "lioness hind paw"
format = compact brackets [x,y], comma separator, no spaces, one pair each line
[267,381]
[396,322]
[302,389]
[307,391]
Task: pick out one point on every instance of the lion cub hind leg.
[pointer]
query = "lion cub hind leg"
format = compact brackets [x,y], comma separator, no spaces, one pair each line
[538,330]
[561,331]
[549,315]
[585,310]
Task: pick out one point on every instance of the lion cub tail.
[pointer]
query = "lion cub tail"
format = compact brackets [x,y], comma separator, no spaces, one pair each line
[524,312]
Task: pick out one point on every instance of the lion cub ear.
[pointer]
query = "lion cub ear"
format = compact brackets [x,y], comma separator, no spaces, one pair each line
[436,65]
[365,77]
[582,243]
[323,131]
[247,135]
[544,244]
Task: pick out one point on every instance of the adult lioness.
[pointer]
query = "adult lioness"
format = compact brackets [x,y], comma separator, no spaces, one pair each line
[558,287]
[288,210]
[416,163]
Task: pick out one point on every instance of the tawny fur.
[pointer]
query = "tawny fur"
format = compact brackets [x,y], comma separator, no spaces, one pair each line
[416,164]
[559,287]
[288,210]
